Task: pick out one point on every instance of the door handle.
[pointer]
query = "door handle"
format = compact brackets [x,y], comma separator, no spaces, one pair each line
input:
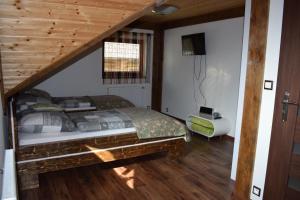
[285,105]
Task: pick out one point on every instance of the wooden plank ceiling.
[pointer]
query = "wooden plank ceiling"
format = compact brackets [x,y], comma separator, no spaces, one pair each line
[38,36]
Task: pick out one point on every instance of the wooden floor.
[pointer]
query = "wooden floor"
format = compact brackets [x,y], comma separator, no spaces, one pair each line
[201,174]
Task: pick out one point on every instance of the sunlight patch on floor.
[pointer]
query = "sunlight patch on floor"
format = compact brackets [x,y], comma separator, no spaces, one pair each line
[127,175]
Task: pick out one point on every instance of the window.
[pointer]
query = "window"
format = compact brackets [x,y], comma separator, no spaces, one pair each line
[121,57]
[126,58]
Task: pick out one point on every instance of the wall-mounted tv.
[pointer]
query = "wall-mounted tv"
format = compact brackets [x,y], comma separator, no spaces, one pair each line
[193,44]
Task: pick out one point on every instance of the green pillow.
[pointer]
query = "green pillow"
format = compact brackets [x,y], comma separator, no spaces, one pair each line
[46,107]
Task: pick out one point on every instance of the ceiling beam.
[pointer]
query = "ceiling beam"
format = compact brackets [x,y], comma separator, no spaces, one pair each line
[215,16]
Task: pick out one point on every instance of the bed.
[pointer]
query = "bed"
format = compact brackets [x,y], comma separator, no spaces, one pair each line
[80,131]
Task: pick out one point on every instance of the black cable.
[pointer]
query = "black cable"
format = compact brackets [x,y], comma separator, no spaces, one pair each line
[194,72]
[202,80]
[197,76]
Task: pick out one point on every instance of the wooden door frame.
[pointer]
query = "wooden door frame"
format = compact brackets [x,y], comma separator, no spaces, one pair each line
[252,99]
[157,68]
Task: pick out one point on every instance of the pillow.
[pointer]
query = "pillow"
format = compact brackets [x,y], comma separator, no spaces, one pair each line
[38,93]
[108,102]
[46,107]
[45,122]
[24,101]
[39,107]
[73,103]
[31,97]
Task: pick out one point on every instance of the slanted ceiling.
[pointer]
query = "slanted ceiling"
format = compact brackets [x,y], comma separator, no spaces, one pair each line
[38,37]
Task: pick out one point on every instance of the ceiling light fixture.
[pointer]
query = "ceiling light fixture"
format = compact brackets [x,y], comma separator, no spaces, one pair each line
[164,9]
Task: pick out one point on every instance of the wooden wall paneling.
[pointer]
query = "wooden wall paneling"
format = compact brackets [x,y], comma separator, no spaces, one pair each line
[253,92]
[49,35]
[158,51]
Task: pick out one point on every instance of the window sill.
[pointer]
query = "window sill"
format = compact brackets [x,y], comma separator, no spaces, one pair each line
[126,84]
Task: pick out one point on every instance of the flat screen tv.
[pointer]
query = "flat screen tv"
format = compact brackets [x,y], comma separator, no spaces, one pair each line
[193,44]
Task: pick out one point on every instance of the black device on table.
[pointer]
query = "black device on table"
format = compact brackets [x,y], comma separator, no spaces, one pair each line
[209,113]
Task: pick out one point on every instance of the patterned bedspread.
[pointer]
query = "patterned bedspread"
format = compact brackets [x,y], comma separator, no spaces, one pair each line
[148,123]
[107,102]
[100,120]
[152,124]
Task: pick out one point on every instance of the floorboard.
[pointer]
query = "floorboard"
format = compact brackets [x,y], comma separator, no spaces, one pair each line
[203,173]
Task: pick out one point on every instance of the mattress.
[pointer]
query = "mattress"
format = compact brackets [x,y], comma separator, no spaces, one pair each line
[40,138]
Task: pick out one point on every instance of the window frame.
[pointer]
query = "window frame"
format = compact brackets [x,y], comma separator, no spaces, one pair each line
[120,74]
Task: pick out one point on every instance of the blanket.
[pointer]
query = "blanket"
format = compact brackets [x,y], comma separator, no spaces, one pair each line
[100,120]
[152,124]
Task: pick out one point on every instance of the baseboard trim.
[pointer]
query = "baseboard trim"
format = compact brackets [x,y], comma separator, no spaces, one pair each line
[181,120]
[228,137]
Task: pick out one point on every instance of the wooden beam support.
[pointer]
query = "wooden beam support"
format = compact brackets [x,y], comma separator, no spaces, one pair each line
[215,16]
[157,72]
[144,25]
[4,101]
[253,93]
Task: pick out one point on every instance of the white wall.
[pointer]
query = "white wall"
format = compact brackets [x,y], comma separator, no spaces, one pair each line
[239,117]
[85,78]
[224,47]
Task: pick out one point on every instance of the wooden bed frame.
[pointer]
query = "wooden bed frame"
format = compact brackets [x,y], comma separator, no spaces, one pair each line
[31,160]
